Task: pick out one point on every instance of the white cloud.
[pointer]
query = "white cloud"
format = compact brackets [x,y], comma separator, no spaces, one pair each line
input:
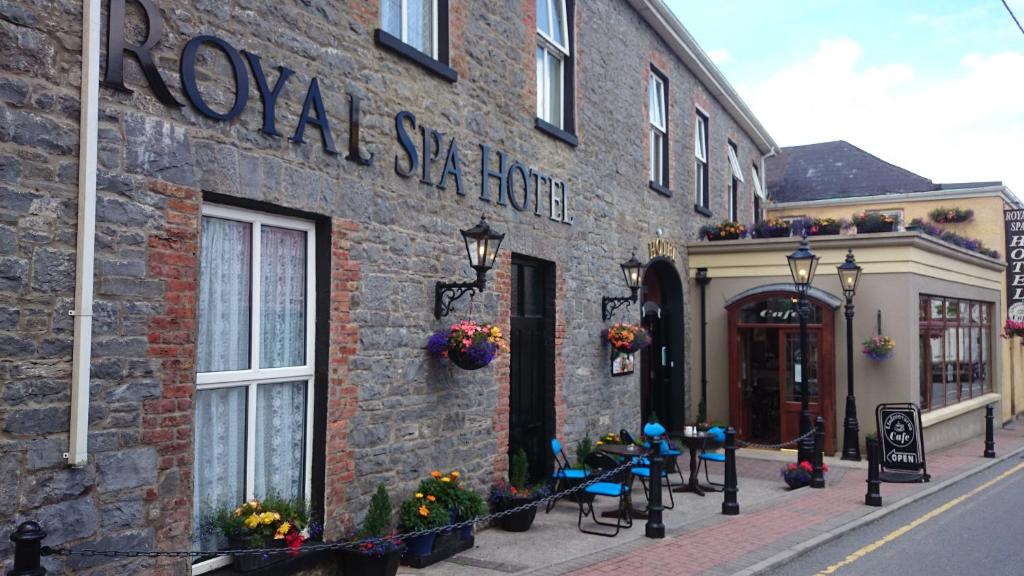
[720,56]
[967,126]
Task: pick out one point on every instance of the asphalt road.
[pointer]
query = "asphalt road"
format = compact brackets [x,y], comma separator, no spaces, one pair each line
[975,527]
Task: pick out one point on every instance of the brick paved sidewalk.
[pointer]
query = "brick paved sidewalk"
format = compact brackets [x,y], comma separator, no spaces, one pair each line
[731,544]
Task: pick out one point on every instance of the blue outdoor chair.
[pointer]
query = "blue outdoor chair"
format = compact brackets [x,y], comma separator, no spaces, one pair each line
[564,476]
[668,451]
[643,472]
[717,439]
[614,487]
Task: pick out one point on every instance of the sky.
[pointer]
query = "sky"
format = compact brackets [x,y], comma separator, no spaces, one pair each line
[936,86]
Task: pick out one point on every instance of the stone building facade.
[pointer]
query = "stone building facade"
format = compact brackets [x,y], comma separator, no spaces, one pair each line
[382,410]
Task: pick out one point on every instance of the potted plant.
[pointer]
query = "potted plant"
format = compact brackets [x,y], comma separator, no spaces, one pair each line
[872,222]
[627,338]
[1013,328]
[467,344]
[726,230]
[943,215]
[270,523]
[771,228]
[879,347]
[514,493]
[461,503]
[422,512]
[378,552]
[799,475]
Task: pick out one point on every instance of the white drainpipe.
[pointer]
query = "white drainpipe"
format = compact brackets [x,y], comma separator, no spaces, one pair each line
[78,443]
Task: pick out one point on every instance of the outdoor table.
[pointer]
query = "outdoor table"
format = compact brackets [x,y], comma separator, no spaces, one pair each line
[626,451]
[694,442]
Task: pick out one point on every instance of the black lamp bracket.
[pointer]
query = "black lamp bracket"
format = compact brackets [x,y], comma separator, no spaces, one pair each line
[609,304]
[446,293]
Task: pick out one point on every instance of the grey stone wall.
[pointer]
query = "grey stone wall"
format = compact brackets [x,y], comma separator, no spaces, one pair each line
[414,414]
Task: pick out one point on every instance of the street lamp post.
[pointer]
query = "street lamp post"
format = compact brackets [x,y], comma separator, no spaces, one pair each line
[802,265]
[849,275]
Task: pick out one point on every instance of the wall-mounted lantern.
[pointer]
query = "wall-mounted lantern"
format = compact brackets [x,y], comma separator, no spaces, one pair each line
[631,270]
[482,243]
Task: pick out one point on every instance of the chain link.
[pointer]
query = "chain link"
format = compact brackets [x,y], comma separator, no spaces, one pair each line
[351,544]
[792,442]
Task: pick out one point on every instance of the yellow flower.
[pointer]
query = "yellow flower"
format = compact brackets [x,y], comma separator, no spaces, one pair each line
[282,531]
[424,511]
[252,521]
[419,494]
[446,479]
[455,474]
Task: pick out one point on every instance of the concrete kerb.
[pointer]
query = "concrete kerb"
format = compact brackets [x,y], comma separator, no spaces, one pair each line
[803,547]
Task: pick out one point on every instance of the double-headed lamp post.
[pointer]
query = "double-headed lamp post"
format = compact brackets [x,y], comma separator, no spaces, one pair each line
[802,265]
[849,275]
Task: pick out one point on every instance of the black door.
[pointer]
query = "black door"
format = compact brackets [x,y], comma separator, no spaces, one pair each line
[531,402]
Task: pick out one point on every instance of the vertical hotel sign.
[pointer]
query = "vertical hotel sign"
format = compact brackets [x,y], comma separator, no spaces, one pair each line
[1015,264]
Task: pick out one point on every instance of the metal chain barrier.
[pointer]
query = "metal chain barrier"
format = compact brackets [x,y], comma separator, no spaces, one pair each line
[793,442]
[48,551]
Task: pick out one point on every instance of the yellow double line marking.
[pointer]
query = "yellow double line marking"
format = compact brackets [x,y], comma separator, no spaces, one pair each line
[921,520]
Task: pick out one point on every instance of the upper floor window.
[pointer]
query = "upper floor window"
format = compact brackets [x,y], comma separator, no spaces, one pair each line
[734,183]
[658,116]
[760,195]
[700,174]
[555,68]
[418,30]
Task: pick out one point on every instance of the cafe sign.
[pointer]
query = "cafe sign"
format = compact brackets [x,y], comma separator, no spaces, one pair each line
[900,443]
[1014,220]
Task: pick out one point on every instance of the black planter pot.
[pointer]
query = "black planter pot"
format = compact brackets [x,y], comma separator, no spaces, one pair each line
[251,562]
[518,521]
[464,362]
[358,564]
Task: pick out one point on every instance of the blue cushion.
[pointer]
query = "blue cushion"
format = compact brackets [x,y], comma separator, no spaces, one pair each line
[717,433]
[646,472]
[571,474]
[712,456]
[606,489]
[671,452]
[556,446]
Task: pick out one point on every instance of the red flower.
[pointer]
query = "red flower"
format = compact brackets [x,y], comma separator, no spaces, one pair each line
[294,540]
[806,466]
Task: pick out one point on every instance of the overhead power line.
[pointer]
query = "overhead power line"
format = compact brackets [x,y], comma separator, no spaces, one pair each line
[1014,16]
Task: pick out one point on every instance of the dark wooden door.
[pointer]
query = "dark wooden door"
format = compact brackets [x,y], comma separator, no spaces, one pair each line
[790,370]
[532,370]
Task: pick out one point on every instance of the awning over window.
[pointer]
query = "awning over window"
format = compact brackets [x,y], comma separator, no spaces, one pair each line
[734,162]
[758,188]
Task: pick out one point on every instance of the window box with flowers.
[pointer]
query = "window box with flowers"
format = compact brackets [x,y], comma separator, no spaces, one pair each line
[270,523]
[819,226]
[726,230]
[1013,328]
[873,222]
[771,228]
[467,344]
[943,215]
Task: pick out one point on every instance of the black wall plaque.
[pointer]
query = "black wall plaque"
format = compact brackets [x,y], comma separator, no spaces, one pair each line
[901,443]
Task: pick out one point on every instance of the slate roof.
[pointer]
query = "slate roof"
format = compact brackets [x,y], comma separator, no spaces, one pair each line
[836,170]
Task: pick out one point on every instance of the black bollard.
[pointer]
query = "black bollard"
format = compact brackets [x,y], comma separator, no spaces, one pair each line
[28,540]
[818,473]
[730,507]
[873,497]
[655,528]
[990,441]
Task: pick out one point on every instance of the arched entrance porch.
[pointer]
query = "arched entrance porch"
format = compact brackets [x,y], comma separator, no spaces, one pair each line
[662,363]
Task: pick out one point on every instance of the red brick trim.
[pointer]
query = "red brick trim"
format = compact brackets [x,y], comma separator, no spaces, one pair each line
[501,365]
[561,409]
[167,422]
[342,395]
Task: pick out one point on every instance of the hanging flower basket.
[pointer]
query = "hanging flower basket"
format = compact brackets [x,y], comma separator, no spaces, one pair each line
[879,347]
[467,344]
[627,337]
[1013,328]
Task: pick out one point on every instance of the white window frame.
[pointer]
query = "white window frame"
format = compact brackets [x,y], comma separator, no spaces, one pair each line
[657,114]
[755,177]
[403,15]
[256,376]
[700,151]
[560,51]
[734,162]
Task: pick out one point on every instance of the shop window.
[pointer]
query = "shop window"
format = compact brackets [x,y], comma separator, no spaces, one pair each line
[955,350]
[254,362]
[700,174]
[734,183]
[657,109]
[554,59]
[418,30]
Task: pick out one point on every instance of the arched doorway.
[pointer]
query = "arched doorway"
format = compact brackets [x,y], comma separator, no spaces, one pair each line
[661,363]
[765,365]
